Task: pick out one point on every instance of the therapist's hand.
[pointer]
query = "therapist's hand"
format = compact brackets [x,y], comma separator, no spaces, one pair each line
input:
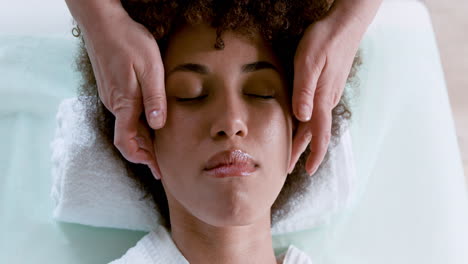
[322,64]
[130,78]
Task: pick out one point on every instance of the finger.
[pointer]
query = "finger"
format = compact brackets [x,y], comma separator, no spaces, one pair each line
[307,70]
[151,81]
[151,158]
[145,142]
[321,134]
[125,131]
[156,173]
[300,141]
[338,91]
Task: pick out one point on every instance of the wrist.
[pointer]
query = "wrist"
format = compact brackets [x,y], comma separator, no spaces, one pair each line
[90,15]
[354,14]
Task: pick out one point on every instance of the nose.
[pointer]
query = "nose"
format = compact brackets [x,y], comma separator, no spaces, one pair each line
[230,119]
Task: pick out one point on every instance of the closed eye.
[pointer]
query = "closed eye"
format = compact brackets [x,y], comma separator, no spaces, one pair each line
[262,96]
[178,99]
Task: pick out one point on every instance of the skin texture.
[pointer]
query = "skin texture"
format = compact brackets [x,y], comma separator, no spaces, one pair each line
[223,220]
[129,73]
[322,64]
[130,76]
[282,26]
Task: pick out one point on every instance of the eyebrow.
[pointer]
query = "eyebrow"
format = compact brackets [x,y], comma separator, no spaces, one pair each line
[203,70]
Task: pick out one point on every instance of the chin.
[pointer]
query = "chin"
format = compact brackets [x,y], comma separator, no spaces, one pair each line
[233,214]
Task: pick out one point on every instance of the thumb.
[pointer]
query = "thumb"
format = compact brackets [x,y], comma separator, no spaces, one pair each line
[154,95]
[125,130]
[306,75]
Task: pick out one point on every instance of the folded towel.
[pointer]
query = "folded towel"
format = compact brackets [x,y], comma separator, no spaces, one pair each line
[90,185]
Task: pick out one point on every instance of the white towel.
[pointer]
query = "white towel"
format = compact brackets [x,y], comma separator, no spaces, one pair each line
[90,185]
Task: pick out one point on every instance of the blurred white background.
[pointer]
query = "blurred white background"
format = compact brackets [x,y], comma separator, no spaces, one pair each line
[450,22]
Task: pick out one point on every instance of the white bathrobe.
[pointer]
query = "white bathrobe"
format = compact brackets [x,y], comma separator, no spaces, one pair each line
[157,247]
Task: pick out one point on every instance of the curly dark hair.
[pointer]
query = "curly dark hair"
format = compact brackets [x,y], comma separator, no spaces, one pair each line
[281,23]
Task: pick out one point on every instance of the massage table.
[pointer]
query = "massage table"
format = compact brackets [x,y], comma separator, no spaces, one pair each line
[410,202]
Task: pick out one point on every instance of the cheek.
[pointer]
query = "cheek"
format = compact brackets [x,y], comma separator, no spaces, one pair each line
[176,141]
[273,131]
[176,146]
[273,138]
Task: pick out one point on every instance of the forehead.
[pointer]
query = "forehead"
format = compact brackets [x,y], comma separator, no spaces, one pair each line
[195,43]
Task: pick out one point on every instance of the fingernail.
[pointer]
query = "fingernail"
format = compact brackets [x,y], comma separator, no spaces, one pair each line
[155,174]
[308,137]
[305,111]
[313,171]
[156,119]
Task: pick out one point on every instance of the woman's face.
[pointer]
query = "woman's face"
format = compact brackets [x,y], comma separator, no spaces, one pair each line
[232,111]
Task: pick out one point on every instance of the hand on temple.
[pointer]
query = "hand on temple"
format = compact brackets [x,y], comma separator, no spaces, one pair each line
[130,77]
[322,63]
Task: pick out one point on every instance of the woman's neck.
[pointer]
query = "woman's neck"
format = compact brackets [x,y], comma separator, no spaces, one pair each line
[203,243]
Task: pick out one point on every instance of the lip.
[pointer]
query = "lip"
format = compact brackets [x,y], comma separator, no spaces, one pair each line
[230,163]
